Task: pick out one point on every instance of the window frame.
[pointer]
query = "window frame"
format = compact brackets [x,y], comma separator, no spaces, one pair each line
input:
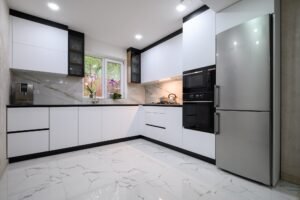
[122,87]
[104,77]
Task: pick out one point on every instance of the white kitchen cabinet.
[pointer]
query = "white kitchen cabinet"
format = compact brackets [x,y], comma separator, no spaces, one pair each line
[199,142]
[164,124]
[173,126]
[119,122]
[22,119]
[199,46]
[63,127]
[162,61]
[25,143]
[38,47]
[90,125]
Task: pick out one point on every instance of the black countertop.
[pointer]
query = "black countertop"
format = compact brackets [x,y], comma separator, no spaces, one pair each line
[89,105]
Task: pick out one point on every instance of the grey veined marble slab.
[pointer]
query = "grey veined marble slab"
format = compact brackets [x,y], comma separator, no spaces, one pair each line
[134,170]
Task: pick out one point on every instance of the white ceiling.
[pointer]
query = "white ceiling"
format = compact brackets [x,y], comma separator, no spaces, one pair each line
[113,21]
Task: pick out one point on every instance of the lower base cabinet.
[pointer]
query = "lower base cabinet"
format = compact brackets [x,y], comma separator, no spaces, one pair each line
[119,122]
[199,142]
[63,127]
[90,125]
[164,124]
[25,143]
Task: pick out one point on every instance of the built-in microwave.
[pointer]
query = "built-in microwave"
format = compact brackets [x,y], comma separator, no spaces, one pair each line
[198,99]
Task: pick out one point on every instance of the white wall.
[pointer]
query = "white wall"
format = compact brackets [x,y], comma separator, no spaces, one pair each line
[98,48]
[241,12]
[4,79]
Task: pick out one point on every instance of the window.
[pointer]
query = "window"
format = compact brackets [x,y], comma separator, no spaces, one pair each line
[103,77]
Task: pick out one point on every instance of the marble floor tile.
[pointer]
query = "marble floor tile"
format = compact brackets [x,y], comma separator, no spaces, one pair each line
[134,170]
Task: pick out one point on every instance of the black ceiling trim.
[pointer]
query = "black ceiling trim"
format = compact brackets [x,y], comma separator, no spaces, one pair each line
[37,19]
[133,49]
[178,32]
[195,13]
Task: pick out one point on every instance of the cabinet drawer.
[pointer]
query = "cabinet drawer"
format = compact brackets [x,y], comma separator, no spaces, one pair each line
[199,142]
[21,119]
[25,143]
[155,116]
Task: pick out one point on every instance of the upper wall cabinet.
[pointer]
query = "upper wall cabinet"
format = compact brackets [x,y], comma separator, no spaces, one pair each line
[163,60]
[134,65]
[38,47]
[76,53]
[199,41]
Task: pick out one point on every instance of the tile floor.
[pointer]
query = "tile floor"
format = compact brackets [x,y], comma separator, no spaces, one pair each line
[134,170]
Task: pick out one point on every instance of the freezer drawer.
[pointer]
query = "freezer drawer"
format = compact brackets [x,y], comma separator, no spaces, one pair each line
[243,144]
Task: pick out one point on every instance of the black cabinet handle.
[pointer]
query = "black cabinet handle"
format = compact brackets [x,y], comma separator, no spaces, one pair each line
[155,126]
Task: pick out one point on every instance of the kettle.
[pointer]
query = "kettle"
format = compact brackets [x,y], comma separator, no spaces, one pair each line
[172,98]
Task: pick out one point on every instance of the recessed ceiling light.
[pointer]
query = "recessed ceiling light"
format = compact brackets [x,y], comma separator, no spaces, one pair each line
[180,7]
[138,36]
[53,6]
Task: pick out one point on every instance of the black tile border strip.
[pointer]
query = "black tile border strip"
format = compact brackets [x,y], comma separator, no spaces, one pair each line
[37,19]
[189,153]
[82,147]
[30,130]
[70,149]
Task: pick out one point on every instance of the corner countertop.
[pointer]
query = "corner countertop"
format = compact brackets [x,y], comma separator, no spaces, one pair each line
[90,105]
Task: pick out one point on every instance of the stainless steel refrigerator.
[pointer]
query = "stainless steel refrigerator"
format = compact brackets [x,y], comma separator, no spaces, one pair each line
[243,100]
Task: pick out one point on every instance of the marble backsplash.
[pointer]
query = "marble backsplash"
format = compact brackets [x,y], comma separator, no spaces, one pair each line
[163,89]
[56,89]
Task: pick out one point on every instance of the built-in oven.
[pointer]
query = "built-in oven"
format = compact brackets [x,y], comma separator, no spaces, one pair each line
[198,99]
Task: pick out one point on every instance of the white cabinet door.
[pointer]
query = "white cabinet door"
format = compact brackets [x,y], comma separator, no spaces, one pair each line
[21,119]
[118,122]
[155,122]
[199,46]
[163,60]
[173,135]
[128,121]
[199,142]
[38,47]
[19,144]
[90,125]
[63,127]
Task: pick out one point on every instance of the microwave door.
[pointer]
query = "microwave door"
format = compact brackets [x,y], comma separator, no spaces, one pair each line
[194,82]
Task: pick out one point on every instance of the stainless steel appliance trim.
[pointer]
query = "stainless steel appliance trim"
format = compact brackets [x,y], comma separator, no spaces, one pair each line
[217,123]
[197,72]
[217,95]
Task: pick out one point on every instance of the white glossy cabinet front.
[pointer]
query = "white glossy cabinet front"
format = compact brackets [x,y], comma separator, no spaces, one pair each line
[162,61]
[199,46]
[23,119]
[90,125]
[63,127]
[199,142]
[25,143]
[164,124]
[119,122]
[38,47]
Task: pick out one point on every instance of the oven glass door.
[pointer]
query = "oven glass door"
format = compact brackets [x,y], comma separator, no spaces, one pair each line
[199,116]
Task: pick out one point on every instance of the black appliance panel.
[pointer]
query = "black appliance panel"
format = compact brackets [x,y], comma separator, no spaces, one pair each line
[199,116]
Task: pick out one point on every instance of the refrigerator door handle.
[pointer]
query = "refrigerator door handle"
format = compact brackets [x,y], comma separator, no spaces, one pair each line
[217,95]
[217,123]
